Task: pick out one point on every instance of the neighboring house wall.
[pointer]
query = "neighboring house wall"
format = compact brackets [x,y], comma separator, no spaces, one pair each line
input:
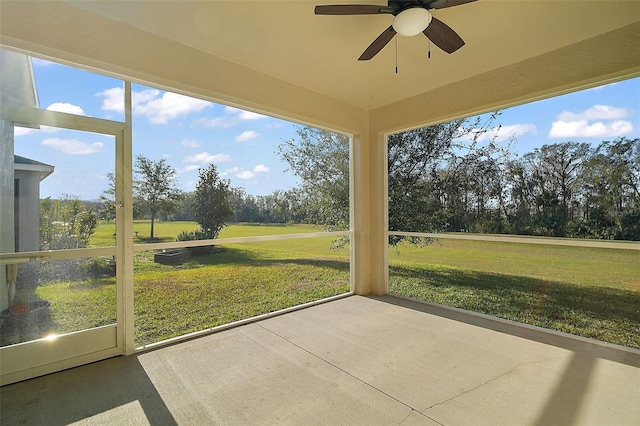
[27,211]
[20,205]
[27,202]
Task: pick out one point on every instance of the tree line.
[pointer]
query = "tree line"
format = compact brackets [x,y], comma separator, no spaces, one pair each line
[449,177]
[453,177]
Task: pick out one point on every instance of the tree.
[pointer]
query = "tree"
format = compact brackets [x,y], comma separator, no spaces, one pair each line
[155,189]
[66,223]
[611,188]
[520,190]
[321,160]
[555,171]
[414,160]
[438,176]
[185,208]
[451,176]
[418,190]
[211,207]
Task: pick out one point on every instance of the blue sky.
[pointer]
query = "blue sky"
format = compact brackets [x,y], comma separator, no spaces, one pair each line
[191,133]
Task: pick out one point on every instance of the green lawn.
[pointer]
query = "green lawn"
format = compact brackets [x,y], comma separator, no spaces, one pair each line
[603,313]
[585,291]
[578,265]
[104,235]
[242,281]
[589,292]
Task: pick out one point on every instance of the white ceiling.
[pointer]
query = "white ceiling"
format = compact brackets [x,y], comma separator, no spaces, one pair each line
[279,57]
[285,39]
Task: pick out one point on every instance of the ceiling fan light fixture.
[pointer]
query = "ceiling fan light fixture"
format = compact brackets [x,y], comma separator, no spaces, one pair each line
[411,21]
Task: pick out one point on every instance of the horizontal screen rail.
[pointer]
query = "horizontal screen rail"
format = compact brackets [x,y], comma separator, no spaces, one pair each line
[28,115]
[551,241]
[32,256]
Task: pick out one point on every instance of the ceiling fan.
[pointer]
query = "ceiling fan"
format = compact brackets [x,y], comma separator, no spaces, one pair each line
[411,17]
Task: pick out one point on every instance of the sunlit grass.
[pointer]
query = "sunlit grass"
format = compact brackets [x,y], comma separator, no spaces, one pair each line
[214,292]
[80,305]
[584,291]
[579,265]
[590,292]
[105,233]
[242,281]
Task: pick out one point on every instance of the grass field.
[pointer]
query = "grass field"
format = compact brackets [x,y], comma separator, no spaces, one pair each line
[589,292]
[242,281]
[578,265]
[167,231]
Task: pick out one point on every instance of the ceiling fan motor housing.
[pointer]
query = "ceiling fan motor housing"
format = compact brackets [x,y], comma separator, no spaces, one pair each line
[412,21]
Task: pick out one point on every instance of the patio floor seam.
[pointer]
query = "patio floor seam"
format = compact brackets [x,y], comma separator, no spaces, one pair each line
[500,376]
[350,375]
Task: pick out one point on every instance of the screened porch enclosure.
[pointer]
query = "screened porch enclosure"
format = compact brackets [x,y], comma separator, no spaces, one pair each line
[393,359]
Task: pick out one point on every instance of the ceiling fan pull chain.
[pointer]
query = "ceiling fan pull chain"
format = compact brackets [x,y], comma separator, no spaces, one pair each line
[397,55]
[429,50]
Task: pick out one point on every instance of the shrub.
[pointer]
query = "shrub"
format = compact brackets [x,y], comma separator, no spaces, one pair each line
[100,266]
[194,236]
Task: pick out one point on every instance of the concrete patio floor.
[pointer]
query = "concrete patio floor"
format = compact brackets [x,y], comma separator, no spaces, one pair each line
[357,360]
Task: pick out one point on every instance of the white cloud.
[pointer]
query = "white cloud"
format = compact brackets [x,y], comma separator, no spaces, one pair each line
[73,146]
[190,168]
[159,107]
[218,122]
[21,131]
[502,133]
[582,128]
[274,125]
[244,115]
[595,122]
[66,107]
[247,135]
[169,106]
[142,97]
[113,99]
[231,117]
[205,157]
[596,112]
[190,143]
[247,174]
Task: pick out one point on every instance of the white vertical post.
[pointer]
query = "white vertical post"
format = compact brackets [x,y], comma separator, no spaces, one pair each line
[369,213]
[124,230]
[378,212]
[360,254]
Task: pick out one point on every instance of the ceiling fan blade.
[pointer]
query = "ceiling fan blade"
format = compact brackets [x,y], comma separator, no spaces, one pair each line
[441,4]
[351,9]
[443,36]
[378,44]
